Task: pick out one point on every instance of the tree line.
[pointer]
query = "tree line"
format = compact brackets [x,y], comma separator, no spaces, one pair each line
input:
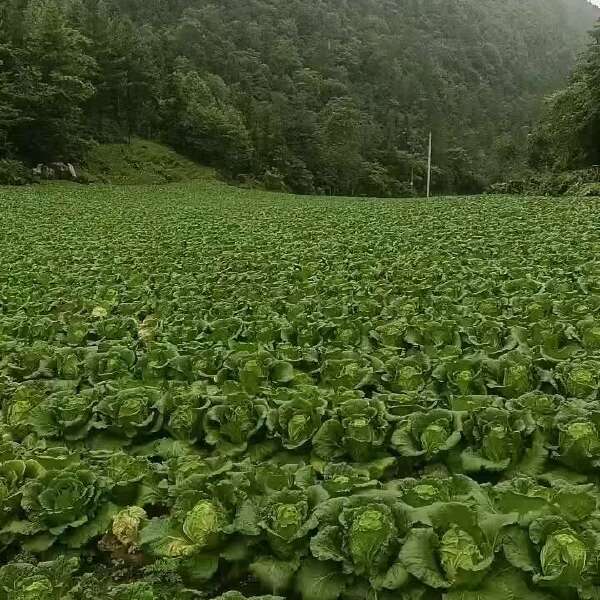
[312,96]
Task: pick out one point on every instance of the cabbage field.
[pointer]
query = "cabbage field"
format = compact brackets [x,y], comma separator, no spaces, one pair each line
[209,393]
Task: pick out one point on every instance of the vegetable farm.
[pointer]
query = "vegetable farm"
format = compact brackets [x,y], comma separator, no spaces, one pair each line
[208,392]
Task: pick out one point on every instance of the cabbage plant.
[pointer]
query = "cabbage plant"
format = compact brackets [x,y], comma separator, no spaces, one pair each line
[532,500]
[460,376]
[401,405]
[17,409]
[357,429]
[66,415]
[185,407]
[579,378]
[14,474]
[363,535]
[426,434]
[126,526]
[232,420]
[288,517]
[577,436]
[201,529]
[348,370]
[511,374]
[67,503]
[51,580]
[453,545]
[496,439]
[556,553]
[111,363]
[431,489]
[296,419]
[407,374]
[341,479]
[133,412]
[589,330]
[542,408]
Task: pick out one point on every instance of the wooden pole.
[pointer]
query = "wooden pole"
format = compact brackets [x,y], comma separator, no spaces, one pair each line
[429,167]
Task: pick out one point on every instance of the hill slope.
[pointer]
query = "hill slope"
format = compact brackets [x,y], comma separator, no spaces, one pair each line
[141,162]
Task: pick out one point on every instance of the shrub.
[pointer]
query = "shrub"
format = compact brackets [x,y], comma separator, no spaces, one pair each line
[13,172]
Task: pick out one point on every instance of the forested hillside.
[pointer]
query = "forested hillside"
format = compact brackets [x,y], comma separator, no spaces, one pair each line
[308,95]
[568,136]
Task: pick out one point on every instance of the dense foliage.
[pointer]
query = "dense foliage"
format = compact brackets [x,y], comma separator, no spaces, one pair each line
[206,390]
[580,182]
[569,134]
[327,96]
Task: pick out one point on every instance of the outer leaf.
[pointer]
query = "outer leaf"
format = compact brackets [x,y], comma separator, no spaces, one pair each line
[199,568]
[274,575]
[395,577]
[327,544]
[504,585]
[320,581]
[99,525]
[163,539]
[519,550]
[282,372]
[418,557]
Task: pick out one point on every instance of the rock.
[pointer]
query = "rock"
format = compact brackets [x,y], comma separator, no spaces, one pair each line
[60,169]
[48,172]
[56,170]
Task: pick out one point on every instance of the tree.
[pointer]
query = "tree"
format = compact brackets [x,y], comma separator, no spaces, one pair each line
[201,123]
[53,86]
[340,125]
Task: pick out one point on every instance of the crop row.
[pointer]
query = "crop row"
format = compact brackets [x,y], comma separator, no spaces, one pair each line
[322,528]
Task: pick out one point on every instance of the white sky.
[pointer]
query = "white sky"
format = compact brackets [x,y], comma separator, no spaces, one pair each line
[596,2]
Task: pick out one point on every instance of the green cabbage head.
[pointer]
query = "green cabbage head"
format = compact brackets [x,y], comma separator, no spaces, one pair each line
[563,554]
[579,441]
[591,337]
[134,411]
[367,532]
[64,415]
[139,590]
[434,436]
[297,420]
[286,514]
[183,422]
[426,434]
[517,380]
[36,588]
[203,524]
[496,443]
[231,421]
[458,551]
[581,382]
[53,580]
[370,531]
[409,378]
[17,411]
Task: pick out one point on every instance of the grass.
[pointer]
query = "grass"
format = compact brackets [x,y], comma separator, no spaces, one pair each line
[141,162]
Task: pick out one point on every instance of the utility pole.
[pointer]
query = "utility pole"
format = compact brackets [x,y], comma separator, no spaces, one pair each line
[429,167]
